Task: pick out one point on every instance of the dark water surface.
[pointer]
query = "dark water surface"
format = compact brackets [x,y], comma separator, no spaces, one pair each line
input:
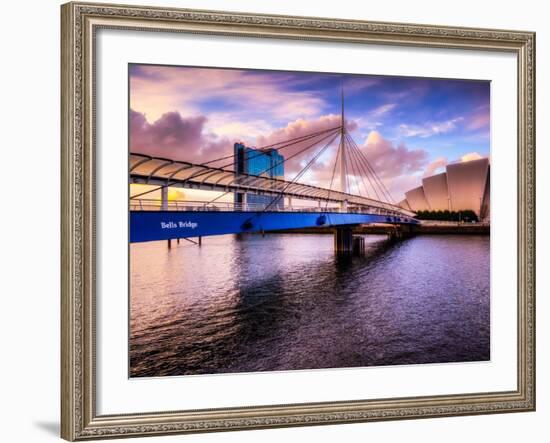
[285,301]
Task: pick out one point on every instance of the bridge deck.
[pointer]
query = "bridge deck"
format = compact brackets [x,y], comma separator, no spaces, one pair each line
[165,225]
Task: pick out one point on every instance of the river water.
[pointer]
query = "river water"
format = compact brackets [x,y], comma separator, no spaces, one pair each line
[286,302]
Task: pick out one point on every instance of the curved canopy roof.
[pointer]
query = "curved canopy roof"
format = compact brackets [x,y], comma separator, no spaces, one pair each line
[145,169]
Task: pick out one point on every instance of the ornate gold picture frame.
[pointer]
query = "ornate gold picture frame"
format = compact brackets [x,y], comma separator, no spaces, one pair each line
[80,22]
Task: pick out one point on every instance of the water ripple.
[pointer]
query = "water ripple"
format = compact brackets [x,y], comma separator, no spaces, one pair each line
[286,302]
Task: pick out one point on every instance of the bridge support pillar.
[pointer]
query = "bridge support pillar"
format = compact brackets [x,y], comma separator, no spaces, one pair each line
[343,240]
[400,232]
[344,206]
[164,198]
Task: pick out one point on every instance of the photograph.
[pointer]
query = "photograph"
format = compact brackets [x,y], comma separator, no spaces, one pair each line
[282,217]
[291,220]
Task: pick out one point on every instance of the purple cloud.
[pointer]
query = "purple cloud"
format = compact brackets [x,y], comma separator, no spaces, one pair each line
[390,160]
[169,135]
[184,138]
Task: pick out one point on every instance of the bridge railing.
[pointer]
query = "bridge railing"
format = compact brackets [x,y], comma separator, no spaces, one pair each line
[180,205]
[453,223]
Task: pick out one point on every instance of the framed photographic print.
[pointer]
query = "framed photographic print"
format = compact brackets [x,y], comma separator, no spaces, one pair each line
[281,221]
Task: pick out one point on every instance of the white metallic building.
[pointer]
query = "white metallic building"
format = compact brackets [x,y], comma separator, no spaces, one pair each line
[464,185]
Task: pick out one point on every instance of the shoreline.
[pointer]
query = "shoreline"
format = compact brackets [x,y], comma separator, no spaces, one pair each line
[423,229]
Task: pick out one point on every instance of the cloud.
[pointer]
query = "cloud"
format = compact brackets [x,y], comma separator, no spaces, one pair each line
[196,114]
[158,88]
[479,120]
[399,185]
[381,111]
[301,127]
[429,129]
[409,93]
[170,132]
[470,156]
[174,136]
[375,118]
[435,166]
[185,138]
[397,166]
[226,125]
[356,84]
[390,159]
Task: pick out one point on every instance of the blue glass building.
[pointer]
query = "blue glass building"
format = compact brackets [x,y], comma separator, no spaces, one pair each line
[265,163]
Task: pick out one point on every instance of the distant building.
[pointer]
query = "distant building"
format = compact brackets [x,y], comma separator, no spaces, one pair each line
[464,185]
[264,163]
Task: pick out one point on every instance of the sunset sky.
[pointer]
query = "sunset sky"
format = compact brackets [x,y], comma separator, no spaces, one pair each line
[407,127]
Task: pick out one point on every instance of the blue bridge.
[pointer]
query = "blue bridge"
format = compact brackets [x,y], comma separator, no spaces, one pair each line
[262,201]
[166,225]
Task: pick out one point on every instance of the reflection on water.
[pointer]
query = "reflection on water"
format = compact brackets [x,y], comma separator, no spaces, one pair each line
[285,301]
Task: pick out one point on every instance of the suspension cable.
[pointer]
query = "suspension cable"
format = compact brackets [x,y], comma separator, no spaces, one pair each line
[301,173]
[375,175]
[333,173]
[359,169]
[353,170]
[367,174]
[275,165]
[200,173]
[377,185]
[290,142]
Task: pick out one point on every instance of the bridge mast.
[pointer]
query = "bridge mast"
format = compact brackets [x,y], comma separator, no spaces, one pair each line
[343,175]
